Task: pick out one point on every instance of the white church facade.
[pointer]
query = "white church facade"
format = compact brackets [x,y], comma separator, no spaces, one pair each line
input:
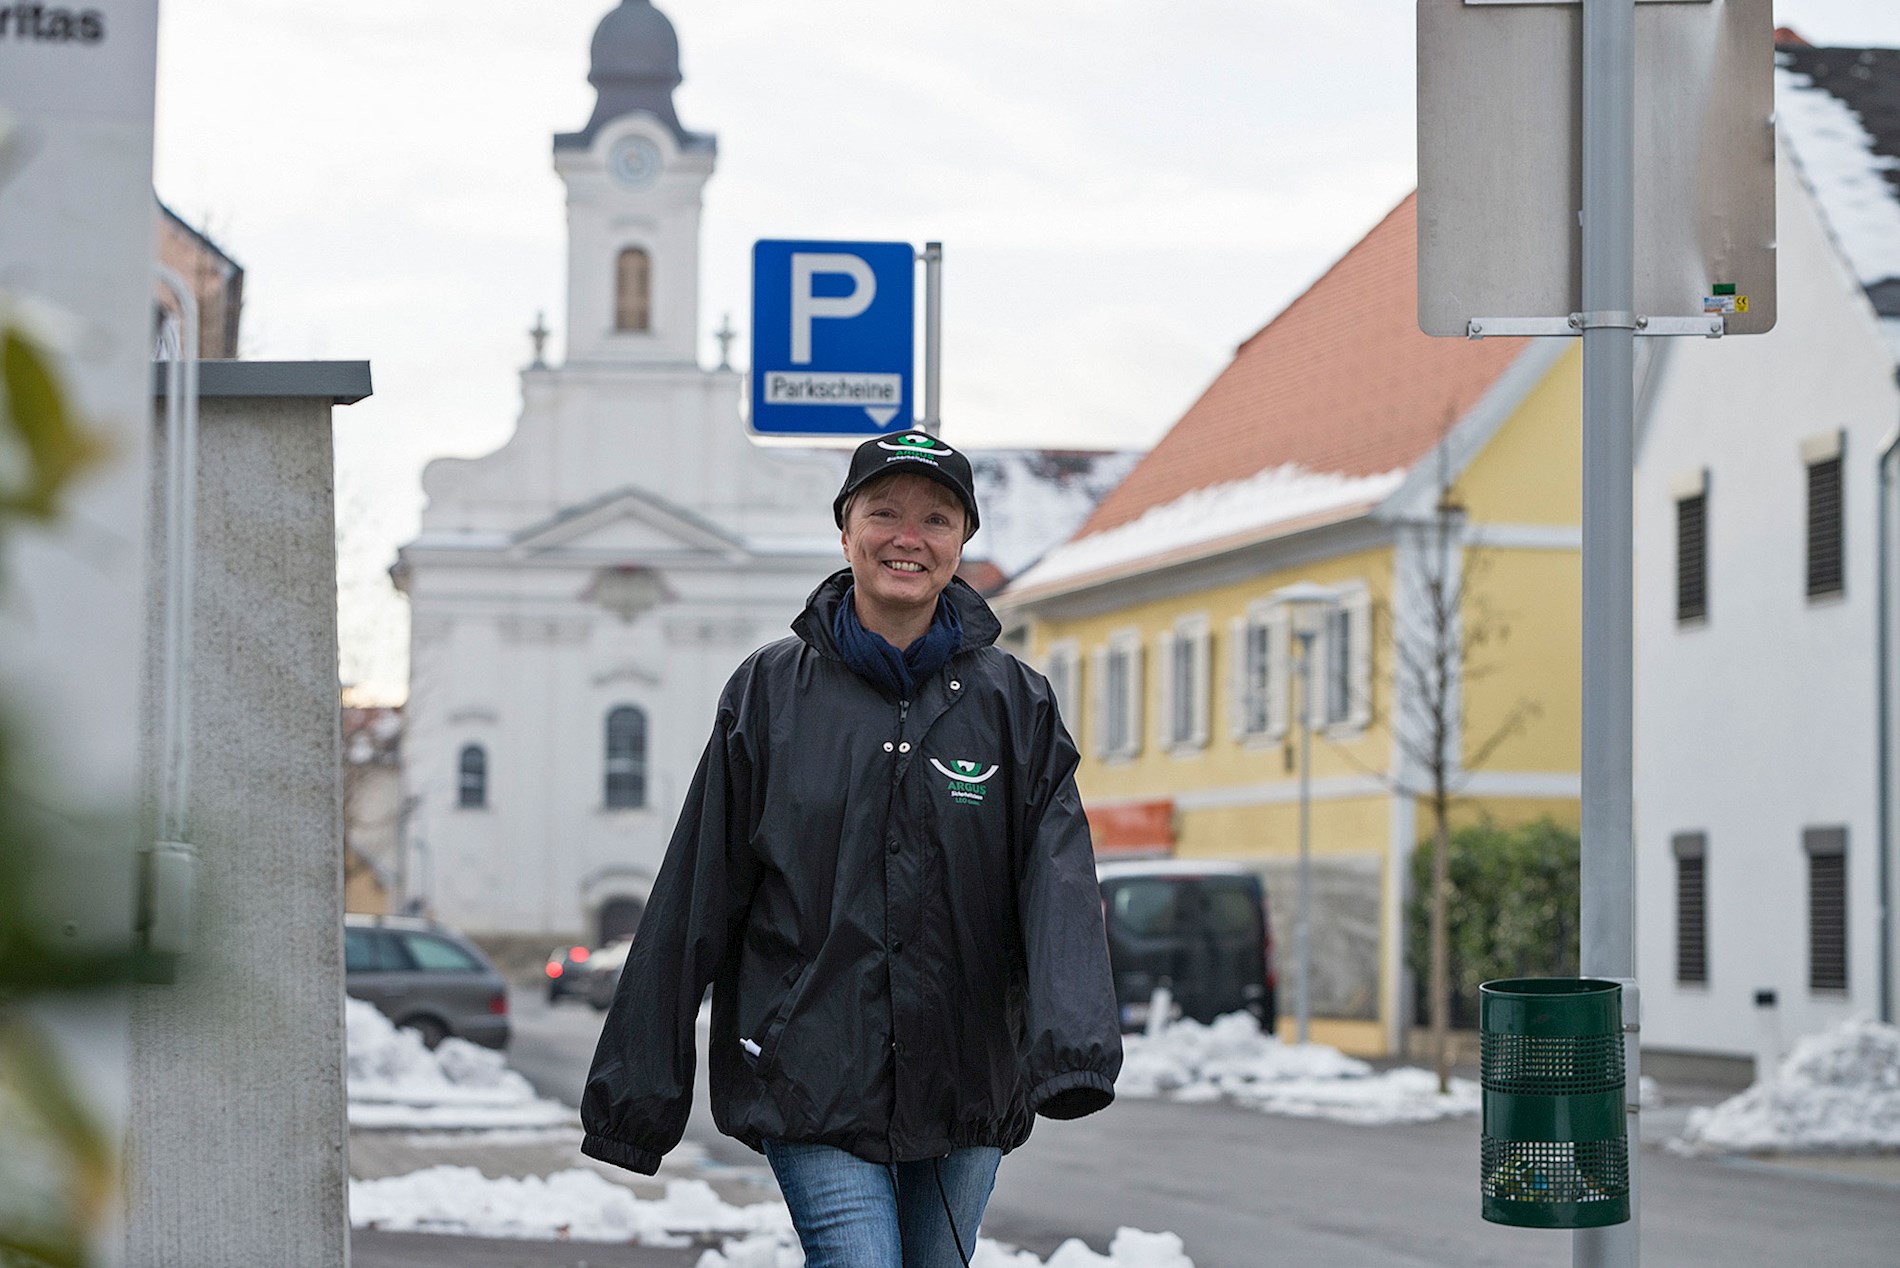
[579,596]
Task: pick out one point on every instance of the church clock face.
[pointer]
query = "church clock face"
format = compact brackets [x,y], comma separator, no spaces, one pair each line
[634,162]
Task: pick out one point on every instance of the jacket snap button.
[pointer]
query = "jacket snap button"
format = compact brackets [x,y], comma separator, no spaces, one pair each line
[897,948]
[887,746]
[904,747]
[895,847]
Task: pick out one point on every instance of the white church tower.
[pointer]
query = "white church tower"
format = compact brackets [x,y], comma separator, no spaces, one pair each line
[579,596]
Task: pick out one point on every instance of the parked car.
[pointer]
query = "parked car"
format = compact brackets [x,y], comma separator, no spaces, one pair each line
[603,972]
[1200,929]
[425,977]
[567,972]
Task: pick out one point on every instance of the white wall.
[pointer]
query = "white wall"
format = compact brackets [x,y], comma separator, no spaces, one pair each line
[1760,721]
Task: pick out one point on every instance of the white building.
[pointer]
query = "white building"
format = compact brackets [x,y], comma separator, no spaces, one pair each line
[1763,796]
[580,596]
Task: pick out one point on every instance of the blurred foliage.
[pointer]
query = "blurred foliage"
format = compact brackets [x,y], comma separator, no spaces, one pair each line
[1512,910]
[57,1167]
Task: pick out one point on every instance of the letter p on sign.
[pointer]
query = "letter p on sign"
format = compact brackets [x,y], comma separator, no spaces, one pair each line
[807,307]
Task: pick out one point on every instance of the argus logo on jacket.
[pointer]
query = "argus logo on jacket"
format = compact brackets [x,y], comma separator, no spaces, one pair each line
[968,780]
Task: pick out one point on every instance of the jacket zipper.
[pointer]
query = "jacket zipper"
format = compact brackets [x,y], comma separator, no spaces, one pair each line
[890,993]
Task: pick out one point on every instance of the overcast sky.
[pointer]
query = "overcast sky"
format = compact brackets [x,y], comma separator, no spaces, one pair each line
[1125,190]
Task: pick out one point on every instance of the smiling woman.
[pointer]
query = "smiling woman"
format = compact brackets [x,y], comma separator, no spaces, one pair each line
[883,788]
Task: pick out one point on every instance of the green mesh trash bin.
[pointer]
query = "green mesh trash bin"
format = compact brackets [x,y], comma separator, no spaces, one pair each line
[1556,1147]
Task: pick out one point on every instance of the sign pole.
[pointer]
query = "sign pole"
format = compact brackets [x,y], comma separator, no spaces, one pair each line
[933,336]
[1609,350]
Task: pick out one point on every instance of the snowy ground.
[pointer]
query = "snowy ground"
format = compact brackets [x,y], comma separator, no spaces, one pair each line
[461,1094]
[1838,1091]
[582,1206]
[1232,1060]
[395,1082]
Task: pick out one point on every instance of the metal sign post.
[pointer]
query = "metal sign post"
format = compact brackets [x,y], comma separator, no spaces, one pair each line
[1609,471]
[1523,234]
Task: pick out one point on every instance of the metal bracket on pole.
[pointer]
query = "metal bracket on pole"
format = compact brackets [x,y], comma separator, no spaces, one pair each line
[1706,327]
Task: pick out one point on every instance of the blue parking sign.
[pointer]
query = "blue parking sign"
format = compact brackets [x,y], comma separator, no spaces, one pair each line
[833,338]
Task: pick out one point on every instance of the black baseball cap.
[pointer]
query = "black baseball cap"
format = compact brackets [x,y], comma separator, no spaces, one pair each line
[909,453]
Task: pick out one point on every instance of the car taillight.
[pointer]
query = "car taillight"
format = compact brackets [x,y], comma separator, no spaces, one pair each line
[498,1004]
[577,954]
[554,968]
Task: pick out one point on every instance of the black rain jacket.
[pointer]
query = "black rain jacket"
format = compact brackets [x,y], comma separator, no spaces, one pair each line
[896,906]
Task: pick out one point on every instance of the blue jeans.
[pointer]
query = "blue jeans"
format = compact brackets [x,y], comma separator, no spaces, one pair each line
[850,1213]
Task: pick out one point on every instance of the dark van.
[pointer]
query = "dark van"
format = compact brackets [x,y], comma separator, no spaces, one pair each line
[1200,929]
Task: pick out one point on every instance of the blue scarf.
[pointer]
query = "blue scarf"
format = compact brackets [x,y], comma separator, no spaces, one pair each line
[882,665]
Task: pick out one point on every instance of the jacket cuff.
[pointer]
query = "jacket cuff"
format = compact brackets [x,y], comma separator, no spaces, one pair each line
[620,1154]
[1071,1095]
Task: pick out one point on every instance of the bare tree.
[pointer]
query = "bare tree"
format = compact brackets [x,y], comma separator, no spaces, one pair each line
[1440,628]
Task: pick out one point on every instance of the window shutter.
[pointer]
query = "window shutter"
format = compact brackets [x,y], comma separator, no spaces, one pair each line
[1167,647]
[1827,908]
[1359,670]
[1279,671]
[1098,703]
[1237,706]
[1692,948]
[1692,563]
[1201,644]
[1826,566]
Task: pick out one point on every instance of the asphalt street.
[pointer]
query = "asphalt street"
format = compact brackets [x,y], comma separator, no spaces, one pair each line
[1249,1190]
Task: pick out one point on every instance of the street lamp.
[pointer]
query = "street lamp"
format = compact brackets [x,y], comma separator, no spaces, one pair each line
[1308,604]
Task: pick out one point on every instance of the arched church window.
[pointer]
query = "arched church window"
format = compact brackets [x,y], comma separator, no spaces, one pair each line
[626,758]
[633,290]
[472,777]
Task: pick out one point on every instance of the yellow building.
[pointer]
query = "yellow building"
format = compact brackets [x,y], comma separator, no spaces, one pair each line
[1405,475]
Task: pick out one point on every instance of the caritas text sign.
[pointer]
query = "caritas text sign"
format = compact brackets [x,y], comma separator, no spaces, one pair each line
[833,337]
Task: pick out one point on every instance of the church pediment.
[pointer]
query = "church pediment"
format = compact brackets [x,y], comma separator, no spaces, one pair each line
[630,524]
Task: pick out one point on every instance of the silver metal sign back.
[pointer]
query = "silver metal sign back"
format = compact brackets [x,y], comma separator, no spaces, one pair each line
[1499,157]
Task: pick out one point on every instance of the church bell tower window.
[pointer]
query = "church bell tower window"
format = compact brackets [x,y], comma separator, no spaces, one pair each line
[626,758]
[472,778]
[633,291]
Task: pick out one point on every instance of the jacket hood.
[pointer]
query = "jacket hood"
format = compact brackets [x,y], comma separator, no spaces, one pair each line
[980,626]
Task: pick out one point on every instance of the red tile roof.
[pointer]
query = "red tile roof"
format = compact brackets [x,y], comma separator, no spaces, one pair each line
[1340,381]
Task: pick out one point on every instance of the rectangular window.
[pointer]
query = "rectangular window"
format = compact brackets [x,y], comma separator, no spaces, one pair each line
[1182,657]
[1257,657]
[1692,947]
[1827,907]
[1826,563]
[1117,692]
[1115,695]
[1692,564]
[1181,692]
[1336,688]
[1256,692]
[1063,665]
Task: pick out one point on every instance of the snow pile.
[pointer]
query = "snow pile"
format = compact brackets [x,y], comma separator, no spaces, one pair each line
[1232,1060]
[1275,497]
[575,1205]
[1838,1090]
[584,1206]
[394,1081]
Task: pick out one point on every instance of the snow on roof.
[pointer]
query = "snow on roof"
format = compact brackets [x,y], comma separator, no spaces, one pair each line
[1840,162]
[1264,505]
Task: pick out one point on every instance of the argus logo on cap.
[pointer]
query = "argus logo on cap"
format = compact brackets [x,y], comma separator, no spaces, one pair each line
[909,453]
